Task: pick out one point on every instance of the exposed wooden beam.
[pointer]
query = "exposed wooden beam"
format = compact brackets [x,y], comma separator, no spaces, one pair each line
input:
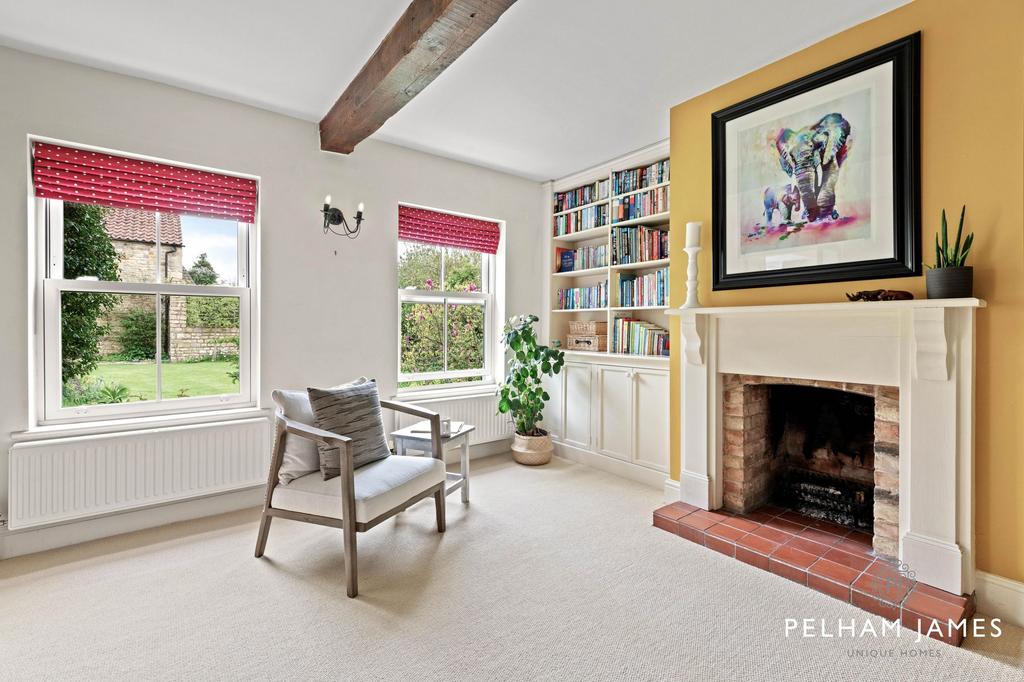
[429,36]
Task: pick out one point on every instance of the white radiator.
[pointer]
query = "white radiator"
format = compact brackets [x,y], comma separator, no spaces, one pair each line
[480,411]
[64,479]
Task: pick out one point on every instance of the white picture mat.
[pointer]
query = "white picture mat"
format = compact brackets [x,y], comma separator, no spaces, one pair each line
[878,81]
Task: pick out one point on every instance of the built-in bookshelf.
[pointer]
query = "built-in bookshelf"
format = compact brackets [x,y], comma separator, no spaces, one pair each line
[610,256]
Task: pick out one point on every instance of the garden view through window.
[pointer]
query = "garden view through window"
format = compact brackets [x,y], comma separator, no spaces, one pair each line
[119,345]
[445,301]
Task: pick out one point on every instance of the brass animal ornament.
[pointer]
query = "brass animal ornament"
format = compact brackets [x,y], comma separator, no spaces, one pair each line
[880,295]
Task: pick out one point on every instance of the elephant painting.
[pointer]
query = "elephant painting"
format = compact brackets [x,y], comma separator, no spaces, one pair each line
[812,156]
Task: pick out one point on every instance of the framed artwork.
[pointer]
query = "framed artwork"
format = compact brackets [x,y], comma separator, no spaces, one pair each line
[818,180]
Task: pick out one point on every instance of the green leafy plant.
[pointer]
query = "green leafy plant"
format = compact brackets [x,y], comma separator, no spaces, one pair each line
[521,395]
[114,393]
[88,252]
[138,334]
[955,255]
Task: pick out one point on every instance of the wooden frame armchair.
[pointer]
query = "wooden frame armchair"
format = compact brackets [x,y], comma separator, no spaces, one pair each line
[334,502]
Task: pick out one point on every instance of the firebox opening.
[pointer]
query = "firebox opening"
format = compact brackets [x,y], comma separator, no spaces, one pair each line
[822,453]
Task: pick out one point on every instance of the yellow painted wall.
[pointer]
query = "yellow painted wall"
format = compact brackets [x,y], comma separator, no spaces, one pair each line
[972,151]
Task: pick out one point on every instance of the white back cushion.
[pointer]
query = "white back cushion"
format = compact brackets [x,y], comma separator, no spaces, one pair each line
[301,455]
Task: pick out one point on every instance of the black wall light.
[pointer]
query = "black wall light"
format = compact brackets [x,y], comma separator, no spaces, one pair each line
[334,216]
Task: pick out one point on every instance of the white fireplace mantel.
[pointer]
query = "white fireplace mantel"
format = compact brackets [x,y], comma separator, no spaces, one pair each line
[925,347]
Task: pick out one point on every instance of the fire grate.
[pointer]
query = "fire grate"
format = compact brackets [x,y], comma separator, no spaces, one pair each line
[830,498]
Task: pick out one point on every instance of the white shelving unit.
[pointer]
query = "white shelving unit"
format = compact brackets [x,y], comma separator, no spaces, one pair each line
[558,320]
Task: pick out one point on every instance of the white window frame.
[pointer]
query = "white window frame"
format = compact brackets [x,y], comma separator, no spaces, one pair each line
[485,298]
[49,215]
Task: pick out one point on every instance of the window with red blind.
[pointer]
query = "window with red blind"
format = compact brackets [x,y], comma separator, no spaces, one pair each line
[446,267]
[145,288]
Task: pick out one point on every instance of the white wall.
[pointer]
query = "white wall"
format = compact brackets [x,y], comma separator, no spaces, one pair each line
[326,317]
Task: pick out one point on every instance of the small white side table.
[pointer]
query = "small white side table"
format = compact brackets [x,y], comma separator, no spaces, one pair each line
[406,439]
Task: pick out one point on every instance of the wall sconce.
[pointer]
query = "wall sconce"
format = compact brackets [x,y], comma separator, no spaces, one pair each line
[334,216]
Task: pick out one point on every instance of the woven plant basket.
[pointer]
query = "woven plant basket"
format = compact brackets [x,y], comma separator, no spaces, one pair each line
[531,450]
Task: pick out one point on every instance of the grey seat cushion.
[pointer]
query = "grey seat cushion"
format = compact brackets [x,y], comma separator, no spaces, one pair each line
[354,412]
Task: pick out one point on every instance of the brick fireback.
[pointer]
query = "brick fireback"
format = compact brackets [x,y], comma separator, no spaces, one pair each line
[749,465]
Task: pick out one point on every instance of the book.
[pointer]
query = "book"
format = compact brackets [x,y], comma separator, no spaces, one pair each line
[583,258]
[638,178]
[639,337]
[638,244]
[583,298]
[581,196]
[646,290]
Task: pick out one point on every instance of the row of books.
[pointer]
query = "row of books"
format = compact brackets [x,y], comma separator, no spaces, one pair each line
[583,219]
[582,298]
[581,196]
[638,178]
[644,290]
[640,205]
[582,258]
[638,244]
[639,337]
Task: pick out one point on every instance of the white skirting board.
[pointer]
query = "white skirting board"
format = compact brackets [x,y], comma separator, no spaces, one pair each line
[671,491]
[640,474]
[1000,597]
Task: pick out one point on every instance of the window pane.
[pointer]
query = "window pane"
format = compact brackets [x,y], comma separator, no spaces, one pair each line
[463,270]
[109,244]
[108,348]
[422,340]
[206,251]
[200,340]
[419,266]
[465,336]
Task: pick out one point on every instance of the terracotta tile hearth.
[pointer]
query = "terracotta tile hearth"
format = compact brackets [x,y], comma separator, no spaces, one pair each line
[824,556]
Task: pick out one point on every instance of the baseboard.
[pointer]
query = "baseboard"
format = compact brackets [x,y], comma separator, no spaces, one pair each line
[494,447]
[31,540]
[1000,597]
[640,474]
[671,490]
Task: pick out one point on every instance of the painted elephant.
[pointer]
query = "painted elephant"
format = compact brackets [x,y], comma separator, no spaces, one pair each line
[785,200]
[812,156]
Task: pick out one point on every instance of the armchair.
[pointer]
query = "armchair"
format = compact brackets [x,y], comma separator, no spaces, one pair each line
[360,498]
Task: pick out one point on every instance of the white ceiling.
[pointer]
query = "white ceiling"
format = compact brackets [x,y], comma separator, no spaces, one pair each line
[554,87]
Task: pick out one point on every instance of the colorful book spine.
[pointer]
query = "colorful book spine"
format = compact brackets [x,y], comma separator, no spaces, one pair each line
[640,205]
[581,196]
[643,291]
[639,178]
[583,219]
[583,298]
[638,337]
[638,244]
[583,258]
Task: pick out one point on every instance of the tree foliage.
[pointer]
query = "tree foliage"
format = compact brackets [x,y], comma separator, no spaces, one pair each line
[522,395]
[138,334]
[423,324]
[88,252]
[202,271]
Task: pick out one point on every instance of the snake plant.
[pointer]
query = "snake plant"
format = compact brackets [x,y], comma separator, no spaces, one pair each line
[955,255]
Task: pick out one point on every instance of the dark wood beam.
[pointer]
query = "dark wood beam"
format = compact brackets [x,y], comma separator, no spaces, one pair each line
[426,40]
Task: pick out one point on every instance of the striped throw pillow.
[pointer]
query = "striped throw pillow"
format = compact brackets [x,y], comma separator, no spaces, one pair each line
[352,411]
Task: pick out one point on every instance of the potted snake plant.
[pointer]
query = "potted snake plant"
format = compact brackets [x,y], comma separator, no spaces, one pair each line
[522,395]
[949,277]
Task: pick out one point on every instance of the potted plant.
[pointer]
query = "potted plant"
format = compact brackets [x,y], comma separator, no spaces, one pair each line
[521,395]
[949,277]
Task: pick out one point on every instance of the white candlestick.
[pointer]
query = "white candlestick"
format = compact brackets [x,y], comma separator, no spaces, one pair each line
[692,235]
[691,273]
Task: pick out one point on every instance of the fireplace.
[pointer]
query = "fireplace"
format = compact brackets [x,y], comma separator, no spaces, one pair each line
[826,450]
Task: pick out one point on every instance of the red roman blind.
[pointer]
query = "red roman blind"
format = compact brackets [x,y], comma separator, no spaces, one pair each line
[105,180]
[444,229]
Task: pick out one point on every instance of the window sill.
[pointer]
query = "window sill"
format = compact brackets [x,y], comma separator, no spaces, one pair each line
[448,392]
[107,426]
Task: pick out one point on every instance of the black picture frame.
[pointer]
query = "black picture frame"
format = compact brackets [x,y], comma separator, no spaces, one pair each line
[904,54]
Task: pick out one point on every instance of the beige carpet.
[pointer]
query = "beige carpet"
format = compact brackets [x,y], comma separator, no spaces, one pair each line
[551,573]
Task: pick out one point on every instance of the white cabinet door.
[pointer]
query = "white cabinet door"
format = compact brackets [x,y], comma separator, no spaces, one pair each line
[614,397]
[577,425]
[554,411]
[650,419]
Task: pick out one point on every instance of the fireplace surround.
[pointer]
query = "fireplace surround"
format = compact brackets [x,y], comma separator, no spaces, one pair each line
[916,356]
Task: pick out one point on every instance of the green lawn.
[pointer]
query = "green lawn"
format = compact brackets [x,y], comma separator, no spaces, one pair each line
[180,379]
